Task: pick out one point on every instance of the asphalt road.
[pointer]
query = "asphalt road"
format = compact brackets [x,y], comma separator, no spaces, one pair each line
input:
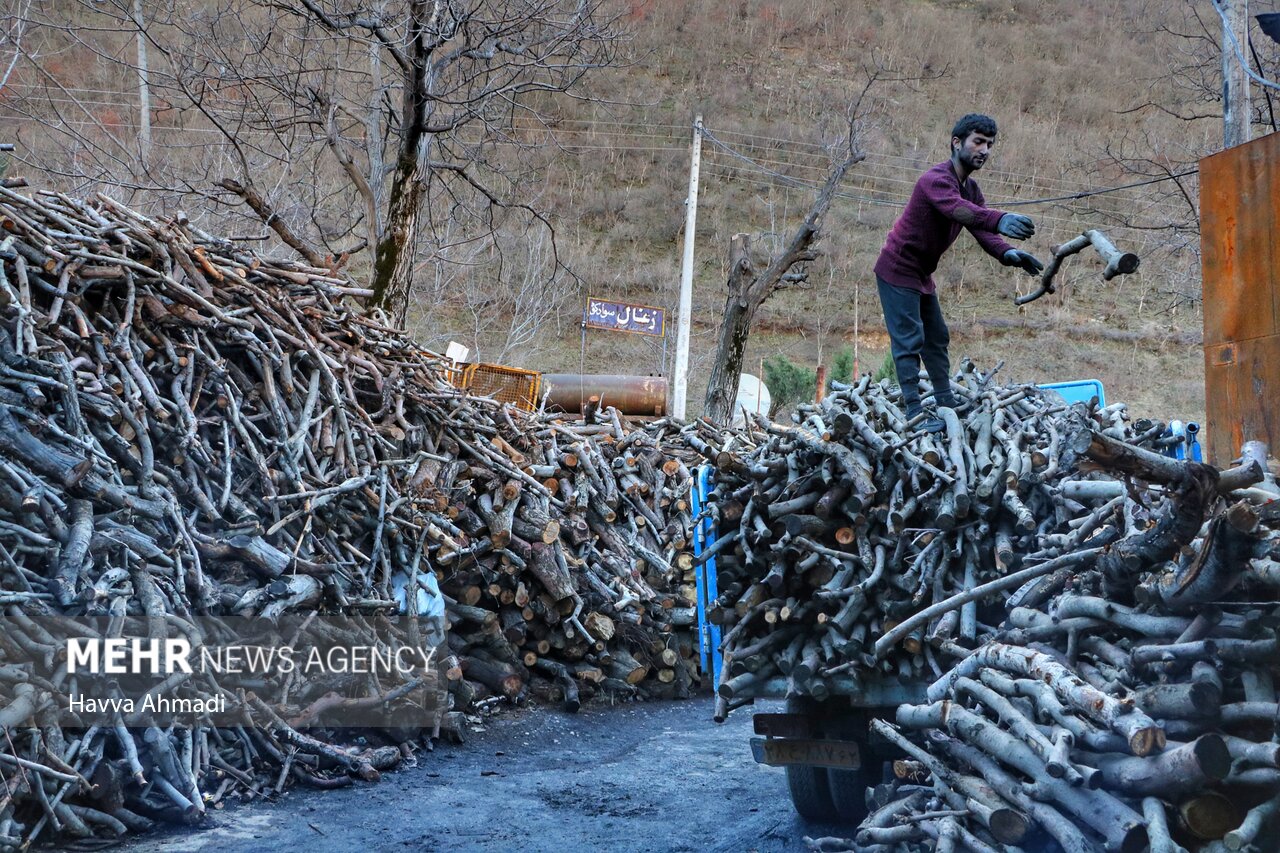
[645,777]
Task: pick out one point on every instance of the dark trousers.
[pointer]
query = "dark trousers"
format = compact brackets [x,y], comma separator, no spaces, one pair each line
[917,333]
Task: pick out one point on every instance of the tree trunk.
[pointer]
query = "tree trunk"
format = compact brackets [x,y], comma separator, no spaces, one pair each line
[748,290]
[393,259]
[739,310]
[393,256]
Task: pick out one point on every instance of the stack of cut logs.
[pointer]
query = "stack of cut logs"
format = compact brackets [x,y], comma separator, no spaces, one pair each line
[580,585]
[836,529]
[1128,706]
[190,431]
[1095,623]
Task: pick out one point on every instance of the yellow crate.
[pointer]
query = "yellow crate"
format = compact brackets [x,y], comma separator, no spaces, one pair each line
[452,374]
[505,384]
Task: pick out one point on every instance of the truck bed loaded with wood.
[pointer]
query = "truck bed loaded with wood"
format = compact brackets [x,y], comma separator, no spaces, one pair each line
[1060,633]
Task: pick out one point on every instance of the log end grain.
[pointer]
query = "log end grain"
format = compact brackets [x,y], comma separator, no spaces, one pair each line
[1209,816]
[1146,741]
[1008,826]
[1213,756]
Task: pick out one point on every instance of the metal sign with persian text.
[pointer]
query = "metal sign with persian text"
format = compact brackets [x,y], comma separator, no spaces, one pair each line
[625,317]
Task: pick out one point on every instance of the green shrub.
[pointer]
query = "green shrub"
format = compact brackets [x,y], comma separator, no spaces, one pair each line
[841,367]
[789,383]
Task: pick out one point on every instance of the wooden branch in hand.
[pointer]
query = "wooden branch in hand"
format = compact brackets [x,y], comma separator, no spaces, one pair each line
[1116,262]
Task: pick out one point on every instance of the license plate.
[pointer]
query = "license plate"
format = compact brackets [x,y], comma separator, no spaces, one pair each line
[840,754]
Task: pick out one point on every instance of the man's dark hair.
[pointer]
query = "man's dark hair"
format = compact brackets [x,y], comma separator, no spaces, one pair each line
[973,122]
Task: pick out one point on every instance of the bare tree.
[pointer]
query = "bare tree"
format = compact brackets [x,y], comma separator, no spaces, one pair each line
[749,285]
[749,288]
[504,314]
[1168,130]
[351,126]
[530,297]
[1177,123]
[1192,29]
[13,24]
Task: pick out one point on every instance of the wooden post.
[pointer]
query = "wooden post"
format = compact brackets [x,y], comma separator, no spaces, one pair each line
[822,383]
[1235,82]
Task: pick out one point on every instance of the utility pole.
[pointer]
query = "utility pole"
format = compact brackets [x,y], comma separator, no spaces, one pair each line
[680,387]
[1235,82]
[144,89]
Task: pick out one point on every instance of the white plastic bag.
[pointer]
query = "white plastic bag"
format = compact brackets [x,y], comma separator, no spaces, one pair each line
[430,604]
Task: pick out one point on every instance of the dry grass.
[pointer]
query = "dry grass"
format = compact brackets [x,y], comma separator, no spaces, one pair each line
[779,75]
[774,77]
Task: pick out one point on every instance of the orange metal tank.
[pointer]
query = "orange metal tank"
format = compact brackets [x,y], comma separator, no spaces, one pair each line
[630,395]
[1239,225]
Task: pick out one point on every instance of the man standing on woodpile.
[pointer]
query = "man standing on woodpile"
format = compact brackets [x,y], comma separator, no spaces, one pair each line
[945,199]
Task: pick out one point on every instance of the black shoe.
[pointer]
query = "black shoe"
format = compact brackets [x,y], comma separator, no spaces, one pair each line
[931,423]
[952,402]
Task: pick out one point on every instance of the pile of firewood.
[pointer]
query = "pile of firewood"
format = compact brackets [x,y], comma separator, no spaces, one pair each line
[1129,704]
[837,531]
[1095,623]
[198,443]
[581,586]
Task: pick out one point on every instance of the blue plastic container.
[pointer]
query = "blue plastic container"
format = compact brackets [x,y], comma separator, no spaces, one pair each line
[1079,391]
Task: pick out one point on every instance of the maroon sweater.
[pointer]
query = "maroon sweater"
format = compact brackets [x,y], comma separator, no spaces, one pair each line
[939,207]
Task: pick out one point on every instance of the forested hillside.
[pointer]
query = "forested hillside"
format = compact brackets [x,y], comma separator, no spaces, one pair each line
[260,114]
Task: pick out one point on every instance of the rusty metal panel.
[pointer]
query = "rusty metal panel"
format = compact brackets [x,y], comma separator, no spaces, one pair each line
[1242,396]
[1239,220]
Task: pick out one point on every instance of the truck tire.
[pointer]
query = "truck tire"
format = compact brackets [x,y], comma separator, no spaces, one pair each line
[811,792]
[809,786]
[849,794]
[849,787]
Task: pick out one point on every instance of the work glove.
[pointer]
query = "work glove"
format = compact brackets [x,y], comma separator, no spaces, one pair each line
[1016,225]
[1026,260]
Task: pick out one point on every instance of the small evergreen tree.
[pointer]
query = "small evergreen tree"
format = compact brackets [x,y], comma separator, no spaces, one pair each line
[841,368]
[789,383]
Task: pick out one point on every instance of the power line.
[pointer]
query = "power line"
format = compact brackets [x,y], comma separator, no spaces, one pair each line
[914,163]
[911,164]
[552,126]
[871,177]
[261,133]
[554,132]
[898,203]
[917,164]
[1090,193]
[1022,178]
[1015,203]
[711,137]
[879,196]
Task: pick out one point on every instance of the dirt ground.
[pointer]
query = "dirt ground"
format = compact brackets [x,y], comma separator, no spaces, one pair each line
[644,777]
